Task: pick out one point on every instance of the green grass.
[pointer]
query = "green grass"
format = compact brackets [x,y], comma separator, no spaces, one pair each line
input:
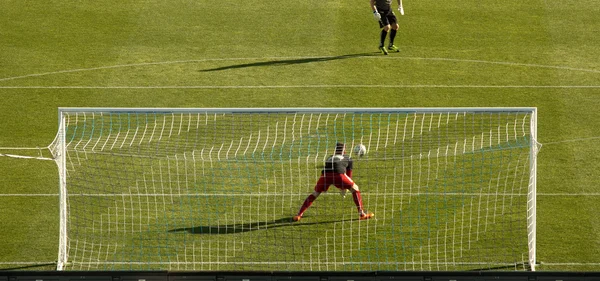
[252,54]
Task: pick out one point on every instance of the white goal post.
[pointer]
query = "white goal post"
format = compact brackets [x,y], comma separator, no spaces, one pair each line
[214,189]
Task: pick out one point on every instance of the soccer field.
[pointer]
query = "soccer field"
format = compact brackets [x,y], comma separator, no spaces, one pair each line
[309,53]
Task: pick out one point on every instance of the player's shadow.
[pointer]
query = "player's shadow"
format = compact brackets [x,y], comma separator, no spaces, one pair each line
[513,267]
[288,62]
[246,227]
[39,266]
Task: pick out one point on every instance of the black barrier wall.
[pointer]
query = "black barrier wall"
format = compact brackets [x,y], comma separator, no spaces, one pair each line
[294,276]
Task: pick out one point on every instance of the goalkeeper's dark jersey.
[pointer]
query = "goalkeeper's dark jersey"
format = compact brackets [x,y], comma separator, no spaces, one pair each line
[338,163]
[383,5]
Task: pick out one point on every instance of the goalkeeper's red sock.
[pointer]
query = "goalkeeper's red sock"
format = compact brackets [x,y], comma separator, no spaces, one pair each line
[309,200]
[358,200]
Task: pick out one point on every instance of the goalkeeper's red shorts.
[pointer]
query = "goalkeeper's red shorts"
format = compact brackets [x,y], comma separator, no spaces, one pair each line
[341,181]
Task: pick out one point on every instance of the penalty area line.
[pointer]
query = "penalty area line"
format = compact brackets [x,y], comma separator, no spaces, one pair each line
[293,59]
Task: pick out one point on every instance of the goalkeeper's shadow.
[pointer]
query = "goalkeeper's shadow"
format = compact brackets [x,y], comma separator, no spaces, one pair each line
[247,227]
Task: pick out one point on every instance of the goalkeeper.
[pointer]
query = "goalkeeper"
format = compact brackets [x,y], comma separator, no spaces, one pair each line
[337,172]
[382,11]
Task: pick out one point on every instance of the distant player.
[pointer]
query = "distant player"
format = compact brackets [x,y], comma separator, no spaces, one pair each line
[337,172]
[382,11]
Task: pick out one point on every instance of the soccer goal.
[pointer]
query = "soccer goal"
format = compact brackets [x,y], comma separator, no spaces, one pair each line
[215,189]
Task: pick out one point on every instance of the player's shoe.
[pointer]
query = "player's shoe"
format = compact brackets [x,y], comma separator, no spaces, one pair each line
[383,50]
[393,48]
[296,218]
[366,216]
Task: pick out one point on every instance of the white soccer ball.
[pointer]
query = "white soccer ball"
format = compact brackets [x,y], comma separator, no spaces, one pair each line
[360,150]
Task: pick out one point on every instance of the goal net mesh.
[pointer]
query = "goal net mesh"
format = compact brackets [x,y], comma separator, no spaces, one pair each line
[215,190]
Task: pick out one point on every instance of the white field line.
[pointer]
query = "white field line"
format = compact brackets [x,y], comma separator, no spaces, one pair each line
[26,262]
[569,264]
[287,262]
[511,64]
[292,194]
[294,263]
[307,262]
[309,86]
[572,140]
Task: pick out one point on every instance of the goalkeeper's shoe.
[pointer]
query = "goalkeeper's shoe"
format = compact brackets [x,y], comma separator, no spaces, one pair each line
[383,50]
[297,218]
[366,216]
[393,48]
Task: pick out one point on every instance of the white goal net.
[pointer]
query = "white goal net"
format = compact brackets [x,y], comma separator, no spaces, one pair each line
[215,189]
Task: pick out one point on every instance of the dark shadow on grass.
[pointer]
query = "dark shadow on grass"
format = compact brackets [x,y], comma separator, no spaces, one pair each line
[245,227]
[44,266]
[504,267]
[289,61]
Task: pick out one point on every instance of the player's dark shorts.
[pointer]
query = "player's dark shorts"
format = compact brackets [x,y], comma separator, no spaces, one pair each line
[387,17]
[341,181]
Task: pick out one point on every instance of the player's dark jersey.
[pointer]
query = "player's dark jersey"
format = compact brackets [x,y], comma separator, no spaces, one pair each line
[383,5]
[338,164]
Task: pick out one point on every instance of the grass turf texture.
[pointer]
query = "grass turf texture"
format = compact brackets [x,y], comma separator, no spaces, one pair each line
[308,54]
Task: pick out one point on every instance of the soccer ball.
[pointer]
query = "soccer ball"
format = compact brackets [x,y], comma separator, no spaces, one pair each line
[360,150]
